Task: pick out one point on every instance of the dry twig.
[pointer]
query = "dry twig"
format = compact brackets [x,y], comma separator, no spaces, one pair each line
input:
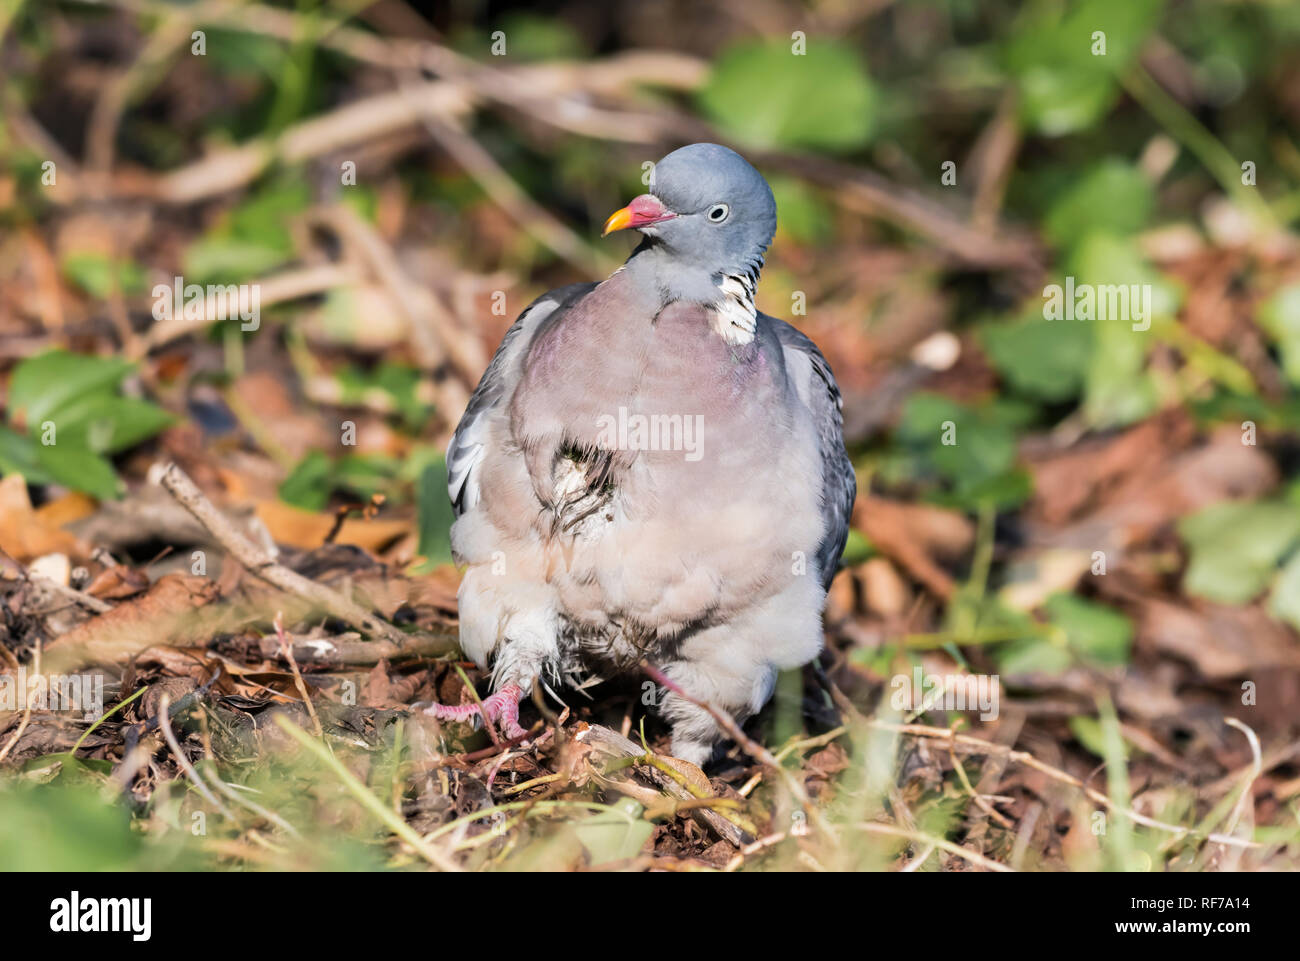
[260,563]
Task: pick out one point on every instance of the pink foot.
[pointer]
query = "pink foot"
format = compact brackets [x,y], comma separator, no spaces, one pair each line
[503,706]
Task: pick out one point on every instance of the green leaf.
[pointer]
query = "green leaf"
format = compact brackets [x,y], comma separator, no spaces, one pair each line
[1113,197]
[316,477]
[253,239]
[1235,548]
[1065,83]
[365,475]
[1285,600]
[363,200]
[434,514]
[1281,414]
[802,213]
[1097,633]
[97,275]
[1280,317]
[1284,603]
[80,469]
[1080,630]
[57,828]
[615,835]
[1059,101]
[531,36]
[19,455]
[215,259]
[310,483]
[1118,389]
[856,548]
[1046,359]
[75,395]
[1004,490]
[235,53]
[1034,657]
[1102,259]
[399,381]
[42,384]
[108,425]
[266,215]
[1088,732]
[974,448]
[767,96]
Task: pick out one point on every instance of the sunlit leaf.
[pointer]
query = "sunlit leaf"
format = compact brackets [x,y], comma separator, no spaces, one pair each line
[1113,197]
[434,513]
[1280,317]
[46,382]
[1097,633]
[1235,548]
[98,275]
[81,469]
[108,425]
[310,483]
[973,448]
[1284,601]
[767,96]
[614,835]
[1065,82]
[19,455]
[1047,359]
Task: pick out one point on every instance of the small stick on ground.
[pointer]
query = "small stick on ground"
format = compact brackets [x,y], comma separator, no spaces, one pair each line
[88,601]
[918,837]
[27,710]
[164,725]
[980,801]
[260,563]
[609,742]
[762,844]
[286,651]
[348,649]
[979,745]
[751,747]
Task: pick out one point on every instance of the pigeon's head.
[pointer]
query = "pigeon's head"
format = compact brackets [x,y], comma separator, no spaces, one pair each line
[706,206]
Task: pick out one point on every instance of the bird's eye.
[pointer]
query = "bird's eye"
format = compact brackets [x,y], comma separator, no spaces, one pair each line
[718,213]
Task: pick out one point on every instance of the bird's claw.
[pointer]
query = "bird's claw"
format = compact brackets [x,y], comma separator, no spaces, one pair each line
[501,707]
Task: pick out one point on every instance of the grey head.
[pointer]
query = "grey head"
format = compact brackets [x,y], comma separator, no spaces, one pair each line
[708,212]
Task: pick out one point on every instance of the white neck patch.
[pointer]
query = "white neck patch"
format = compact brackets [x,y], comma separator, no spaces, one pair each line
[735,316]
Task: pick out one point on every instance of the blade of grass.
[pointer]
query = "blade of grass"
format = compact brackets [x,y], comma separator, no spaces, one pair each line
[367,798]
[91,730]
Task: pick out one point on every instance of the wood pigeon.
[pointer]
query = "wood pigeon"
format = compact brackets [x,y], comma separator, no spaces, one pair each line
[652,469]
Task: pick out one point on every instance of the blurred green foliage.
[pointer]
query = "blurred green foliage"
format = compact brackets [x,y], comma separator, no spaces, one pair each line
[766,96]
[1067,58]
[75,417]
[1235,549]
[251,239]
[970,448]
[434,512]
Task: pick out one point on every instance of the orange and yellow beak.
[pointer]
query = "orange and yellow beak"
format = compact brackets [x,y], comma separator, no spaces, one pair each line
[641,212]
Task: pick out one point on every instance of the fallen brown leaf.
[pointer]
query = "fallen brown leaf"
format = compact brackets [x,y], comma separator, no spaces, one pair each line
[118,582]
[1221,641]
[24,532]
[164,615]
[914,535]
[307,530]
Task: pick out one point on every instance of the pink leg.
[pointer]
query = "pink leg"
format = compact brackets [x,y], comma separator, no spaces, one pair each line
[502,706]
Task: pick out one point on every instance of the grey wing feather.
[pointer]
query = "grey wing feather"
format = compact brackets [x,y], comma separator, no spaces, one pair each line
[817,389]
[466,449]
